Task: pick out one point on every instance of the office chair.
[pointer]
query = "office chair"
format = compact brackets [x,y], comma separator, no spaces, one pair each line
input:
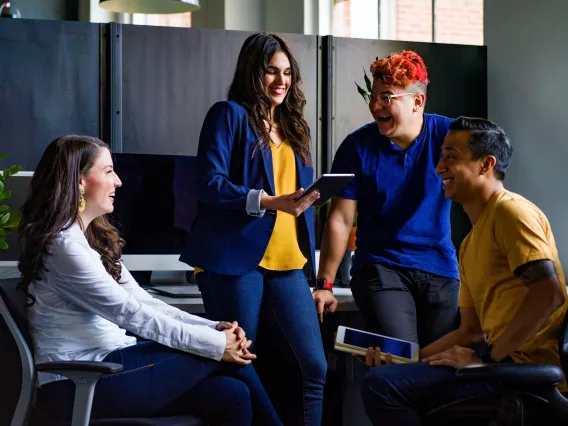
[84,374]
[534,400]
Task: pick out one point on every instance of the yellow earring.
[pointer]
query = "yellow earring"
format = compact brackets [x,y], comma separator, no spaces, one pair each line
[82,202]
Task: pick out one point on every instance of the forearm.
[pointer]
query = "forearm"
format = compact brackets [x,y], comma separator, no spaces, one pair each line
[267,202]
[457,337]
[541,300]
[333,245]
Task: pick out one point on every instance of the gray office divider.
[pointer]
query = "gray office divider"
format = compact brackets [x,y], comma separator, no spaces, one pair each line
[49,85]
[172,76]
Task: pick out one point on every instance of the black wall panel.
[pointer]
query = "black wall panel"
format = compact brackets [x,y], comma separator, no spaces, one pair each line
[49,85]
[172,76]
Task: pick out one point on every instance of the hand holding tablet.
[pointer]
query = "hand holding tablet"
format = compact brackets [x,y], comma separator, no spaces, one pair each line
[327,185]
[357,342]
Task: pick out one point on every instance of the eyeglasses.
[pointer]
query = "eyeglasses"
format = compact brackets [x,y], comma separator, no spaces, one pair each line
[385,99]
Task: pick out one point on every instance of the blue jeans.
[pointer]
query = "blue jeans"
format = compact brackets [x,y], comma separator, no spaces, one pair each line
[282,301]
[403,394]
[158,381]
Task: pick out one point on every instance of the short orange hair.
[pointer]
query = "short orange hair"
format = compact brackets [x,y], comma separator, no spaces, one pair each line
[400,69]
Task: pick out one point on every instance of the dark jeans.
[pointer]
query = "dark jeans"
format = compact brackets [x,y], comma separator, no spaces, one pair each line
[282,302]
[402,394]
[405,303]
[158,381]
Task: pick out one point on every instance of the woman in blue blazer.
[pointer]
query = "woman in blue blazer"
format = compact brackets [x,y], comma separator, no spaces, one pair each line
[252,239]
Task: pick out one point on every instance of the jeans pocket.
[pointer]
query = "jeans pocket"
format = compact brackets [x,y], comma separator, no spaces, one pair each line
[387,279]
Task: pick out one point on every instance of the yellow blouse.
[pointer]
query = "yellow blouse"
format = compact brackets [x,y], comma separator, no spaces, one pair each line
[283,252]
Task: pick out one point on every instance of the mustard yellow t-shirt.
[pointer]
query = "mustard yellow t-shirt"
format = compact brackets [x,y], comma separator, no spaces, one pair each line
[283,252]
[510,232]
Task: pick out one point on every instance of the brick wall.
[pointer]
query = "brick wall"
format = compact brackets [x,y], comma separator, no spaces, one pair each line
[459,21]
[414,20]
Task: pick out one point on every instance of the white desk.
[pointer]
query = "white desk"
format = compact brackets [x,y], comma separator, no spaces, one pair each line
[194,305]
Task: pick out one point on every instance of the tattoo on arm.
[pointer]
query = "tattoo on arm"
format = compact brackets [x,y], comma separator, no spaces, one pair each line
[536,271]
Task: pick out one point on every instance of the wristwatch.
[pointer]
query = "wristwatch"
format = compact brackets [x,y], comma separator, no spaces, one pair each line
[483,351]
[322,284]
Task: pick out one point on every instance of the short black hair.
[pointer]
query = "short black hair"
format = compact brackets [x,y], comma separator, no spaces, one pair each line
[487,138]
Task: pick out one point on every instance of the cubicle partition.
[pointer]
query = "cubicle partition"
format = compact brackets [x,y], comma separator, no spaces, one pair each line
[147,89]
[172,76]
[49,85]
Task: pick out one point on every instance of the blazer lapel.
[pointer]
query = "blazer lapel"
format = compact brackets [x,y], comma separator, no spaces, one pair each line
[267,160]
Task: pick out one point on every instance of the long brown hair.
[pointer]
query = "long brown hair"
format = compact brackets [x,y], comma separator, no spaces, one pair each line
[53,206]
[247,89]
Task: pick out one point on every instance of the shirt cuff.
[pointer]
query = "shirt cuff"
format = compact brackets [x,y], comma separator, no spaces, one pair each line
[253,203]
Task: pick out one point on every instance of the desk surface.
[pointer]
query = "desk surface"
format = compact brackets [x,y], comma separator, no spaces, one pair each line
[194,305]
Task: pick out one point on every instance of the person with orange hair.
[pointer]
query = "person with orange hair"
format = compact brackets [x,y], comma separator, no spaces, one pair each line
[404,277]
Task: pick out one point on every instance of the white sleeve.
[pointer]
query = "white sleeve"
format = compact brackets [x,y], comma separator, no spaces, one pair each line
[83,280]
[253,203]
[131,286]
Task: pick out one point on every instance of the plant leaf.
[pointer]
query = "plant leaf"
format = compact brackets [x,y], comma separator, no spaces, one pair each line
[3,245]
[4,218]
[15,169]
[7,194]
[362,92]
[368,82]
[2,156]
[15,219]
[3,208]
[1,186]
[2,197]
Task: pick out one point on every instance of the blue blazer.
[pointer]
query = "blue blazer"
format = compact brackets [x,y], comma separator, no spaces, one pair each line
[224,239]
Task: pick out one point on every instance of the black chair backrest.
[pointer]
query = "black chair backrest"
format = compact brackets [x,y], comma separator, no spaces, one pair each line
[16,301]
[563,345]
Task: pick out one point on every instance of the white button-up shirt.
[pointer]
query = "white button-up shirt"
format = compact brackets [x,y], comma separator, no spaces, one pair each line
[82,313]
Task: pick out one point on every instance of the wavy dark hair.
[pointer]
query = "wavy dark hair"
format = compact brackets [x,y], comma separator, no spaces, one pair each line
[247,88]
[53,206]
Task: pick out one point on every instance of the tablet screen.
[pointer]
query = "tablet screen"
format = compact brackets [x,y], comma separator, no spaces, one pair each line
[366,340]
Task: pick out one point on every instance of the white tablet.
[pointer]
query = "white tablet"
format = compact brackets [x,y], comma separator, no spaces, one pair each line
[327,185]
[357,341]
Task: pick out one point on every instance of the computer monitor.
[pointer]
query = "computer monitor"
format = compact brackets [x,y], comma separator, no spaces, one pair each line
[155,209]
[19,184]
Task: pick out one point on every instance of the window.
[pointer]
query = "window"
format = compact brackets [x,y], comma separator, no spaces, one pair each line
[356,18]
[440,21]
[172,20]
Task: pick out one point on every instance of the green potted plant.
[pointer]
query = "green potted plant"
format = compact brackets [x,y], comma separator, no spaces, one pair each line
[365,93]
[9,220]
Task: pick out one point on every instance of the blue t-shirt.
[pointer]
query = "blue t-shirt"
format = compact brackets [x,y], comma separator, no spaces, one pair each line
[403,216]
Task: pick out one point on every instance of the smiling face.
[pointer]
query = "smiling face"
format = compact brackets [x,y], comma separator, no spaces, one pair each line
[100,184]
[278,78]
[461,174]
[400,117]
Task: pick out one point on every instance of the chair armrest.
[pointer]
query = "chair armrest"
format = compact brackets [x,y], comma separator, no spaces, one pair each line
[81,366]
[516,374]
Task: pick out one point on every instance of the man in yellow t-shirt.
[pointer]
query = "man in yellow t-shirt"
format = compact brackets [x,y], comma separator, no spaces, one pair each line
[513,290]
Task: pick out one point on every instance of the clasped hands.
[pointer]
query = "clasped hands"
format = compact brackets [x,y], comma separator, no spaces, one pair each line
[236,348]
[456,357]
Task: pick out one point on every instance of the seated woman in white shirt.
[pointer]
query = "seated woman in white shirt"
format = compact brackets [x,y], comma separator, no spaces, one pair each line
[83,300]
